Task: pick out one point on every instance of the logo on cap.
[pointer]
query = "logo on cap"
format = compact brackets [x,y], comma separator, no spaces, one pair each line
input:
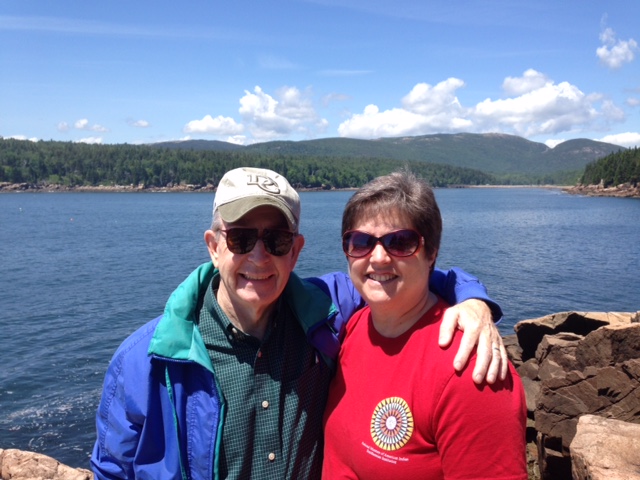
[264,183]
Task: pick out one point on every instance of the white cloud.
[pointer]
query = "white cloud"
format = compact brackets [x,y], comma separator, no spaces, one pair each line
[372,123]
[219,126]
[291,112]
[425,109]
[552,143]
[424,99]
[322,125]
[294,104]
[612,112]
[628,139]
[138,123]
[533,105]
[63,127]
[614,53]
[23,137]
[550,109]
[237,139]
[531,80]
[633,101]
[91,140]
[83,124]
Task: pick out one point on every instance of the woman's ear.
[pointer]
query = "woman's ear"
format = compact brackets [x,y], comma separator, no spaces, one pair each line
[432,261]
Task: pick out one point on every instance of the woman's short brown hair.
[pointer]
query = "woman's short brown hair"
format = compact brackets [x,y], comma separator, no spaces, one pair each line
[398,193]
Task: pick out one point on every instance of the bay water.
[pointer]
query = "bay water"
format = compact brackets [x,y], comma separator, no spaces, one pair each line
[81,271]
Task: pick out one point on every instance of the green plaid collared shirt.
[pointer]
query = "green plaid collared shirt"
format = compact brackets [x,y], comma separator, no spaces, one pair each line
[275,393]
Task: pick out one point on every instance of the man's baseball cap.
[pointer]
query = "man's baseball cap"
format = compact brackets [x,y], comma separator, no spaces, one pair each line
[243,189]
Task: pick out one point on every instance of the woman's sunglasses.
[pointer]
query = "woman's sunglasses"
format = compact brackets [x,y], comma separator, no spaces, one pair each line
[401,243]
[243,240]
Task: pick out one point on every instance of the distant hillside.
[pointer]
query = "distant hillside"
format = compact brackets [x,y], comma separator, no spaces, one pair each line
[492,153]
[38,165]
[446,160]
[198,145]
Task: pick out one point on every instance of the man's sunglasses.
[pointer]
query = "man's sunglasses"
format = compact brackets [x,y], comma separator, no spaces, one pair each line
[401,243]
[243,240]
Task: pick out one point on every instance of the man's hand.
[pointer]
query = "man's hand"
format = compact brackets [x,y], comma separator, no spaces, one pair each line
[473,317]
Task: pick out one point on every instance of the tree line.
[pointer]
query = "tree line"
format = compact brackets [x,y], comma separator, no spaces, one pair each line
[614,169]
[76,164]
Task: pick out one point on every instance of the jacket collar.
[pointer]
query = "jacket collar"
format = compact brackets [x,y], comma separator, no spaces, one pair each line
[177,336]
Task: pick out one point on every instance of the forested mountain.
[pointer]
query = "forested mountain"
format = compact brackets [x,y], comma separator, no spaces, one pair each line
[198,145]
[614,169]
[497,154]
[77,164]
[461,159]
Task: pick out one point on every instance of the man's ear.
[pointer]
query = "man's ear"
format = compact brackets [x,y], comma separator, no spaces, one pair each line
[298,243]
[211,240]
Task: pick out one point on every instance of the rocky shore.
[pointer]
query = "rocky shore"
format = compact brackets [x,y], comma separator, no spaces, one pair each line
[31,187]
[6,187]
[581,374]
[624,190]
[21,465]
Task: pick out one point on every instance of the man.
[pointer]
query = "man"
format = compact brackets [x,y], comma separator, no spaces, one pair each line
[231,381]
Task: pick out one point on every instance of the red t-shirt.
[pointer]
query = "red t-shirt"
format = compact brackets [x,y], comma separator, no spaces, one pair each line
[397,409]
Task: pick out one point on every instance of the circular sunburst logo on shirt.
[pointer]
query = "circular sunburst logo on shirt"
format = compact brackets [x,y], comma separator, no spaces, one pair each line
[391,424]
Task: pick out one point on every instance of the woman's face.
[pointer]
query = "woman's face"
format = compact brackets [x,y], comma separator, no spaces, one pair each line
[387,282]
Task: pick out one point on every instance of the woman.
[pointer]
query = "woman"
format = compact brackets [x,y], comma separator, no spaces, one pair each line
[395,408]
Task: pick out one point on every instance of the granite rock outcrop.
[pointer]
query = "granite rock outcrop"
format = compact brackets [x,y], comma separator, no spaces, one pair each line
[624,190]
[574,364]
[21,465]
[605,449]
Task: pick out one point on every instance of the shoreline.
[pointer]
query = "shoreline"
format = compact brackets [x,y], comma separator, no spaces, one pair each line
[625,190]
[621,191]
[6,187]
[31,188]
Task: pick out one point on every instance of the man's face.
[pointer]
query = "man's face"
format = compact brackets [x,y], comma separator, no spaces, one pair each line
[252,281]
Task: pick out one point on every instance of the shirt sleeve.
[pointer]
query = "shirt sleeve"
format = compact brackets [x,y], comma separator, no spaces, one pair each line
[122,409]
[114,451]
[455,286]
[480,429]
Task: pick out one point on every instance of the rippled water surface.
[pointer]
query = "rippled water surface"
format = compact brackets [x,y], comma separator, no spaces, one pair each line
[80,271]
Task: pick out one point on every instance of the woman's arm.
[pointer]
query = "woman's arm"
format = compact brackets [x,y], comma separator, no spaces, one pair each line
[474,313]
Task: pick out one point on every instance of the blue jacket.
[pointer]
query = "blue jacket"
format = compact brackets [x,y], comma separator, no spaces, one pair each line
[160,415]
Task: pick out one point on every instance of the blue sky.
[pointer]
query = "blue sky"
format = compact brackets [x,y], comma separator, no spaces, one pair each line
[254,71]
